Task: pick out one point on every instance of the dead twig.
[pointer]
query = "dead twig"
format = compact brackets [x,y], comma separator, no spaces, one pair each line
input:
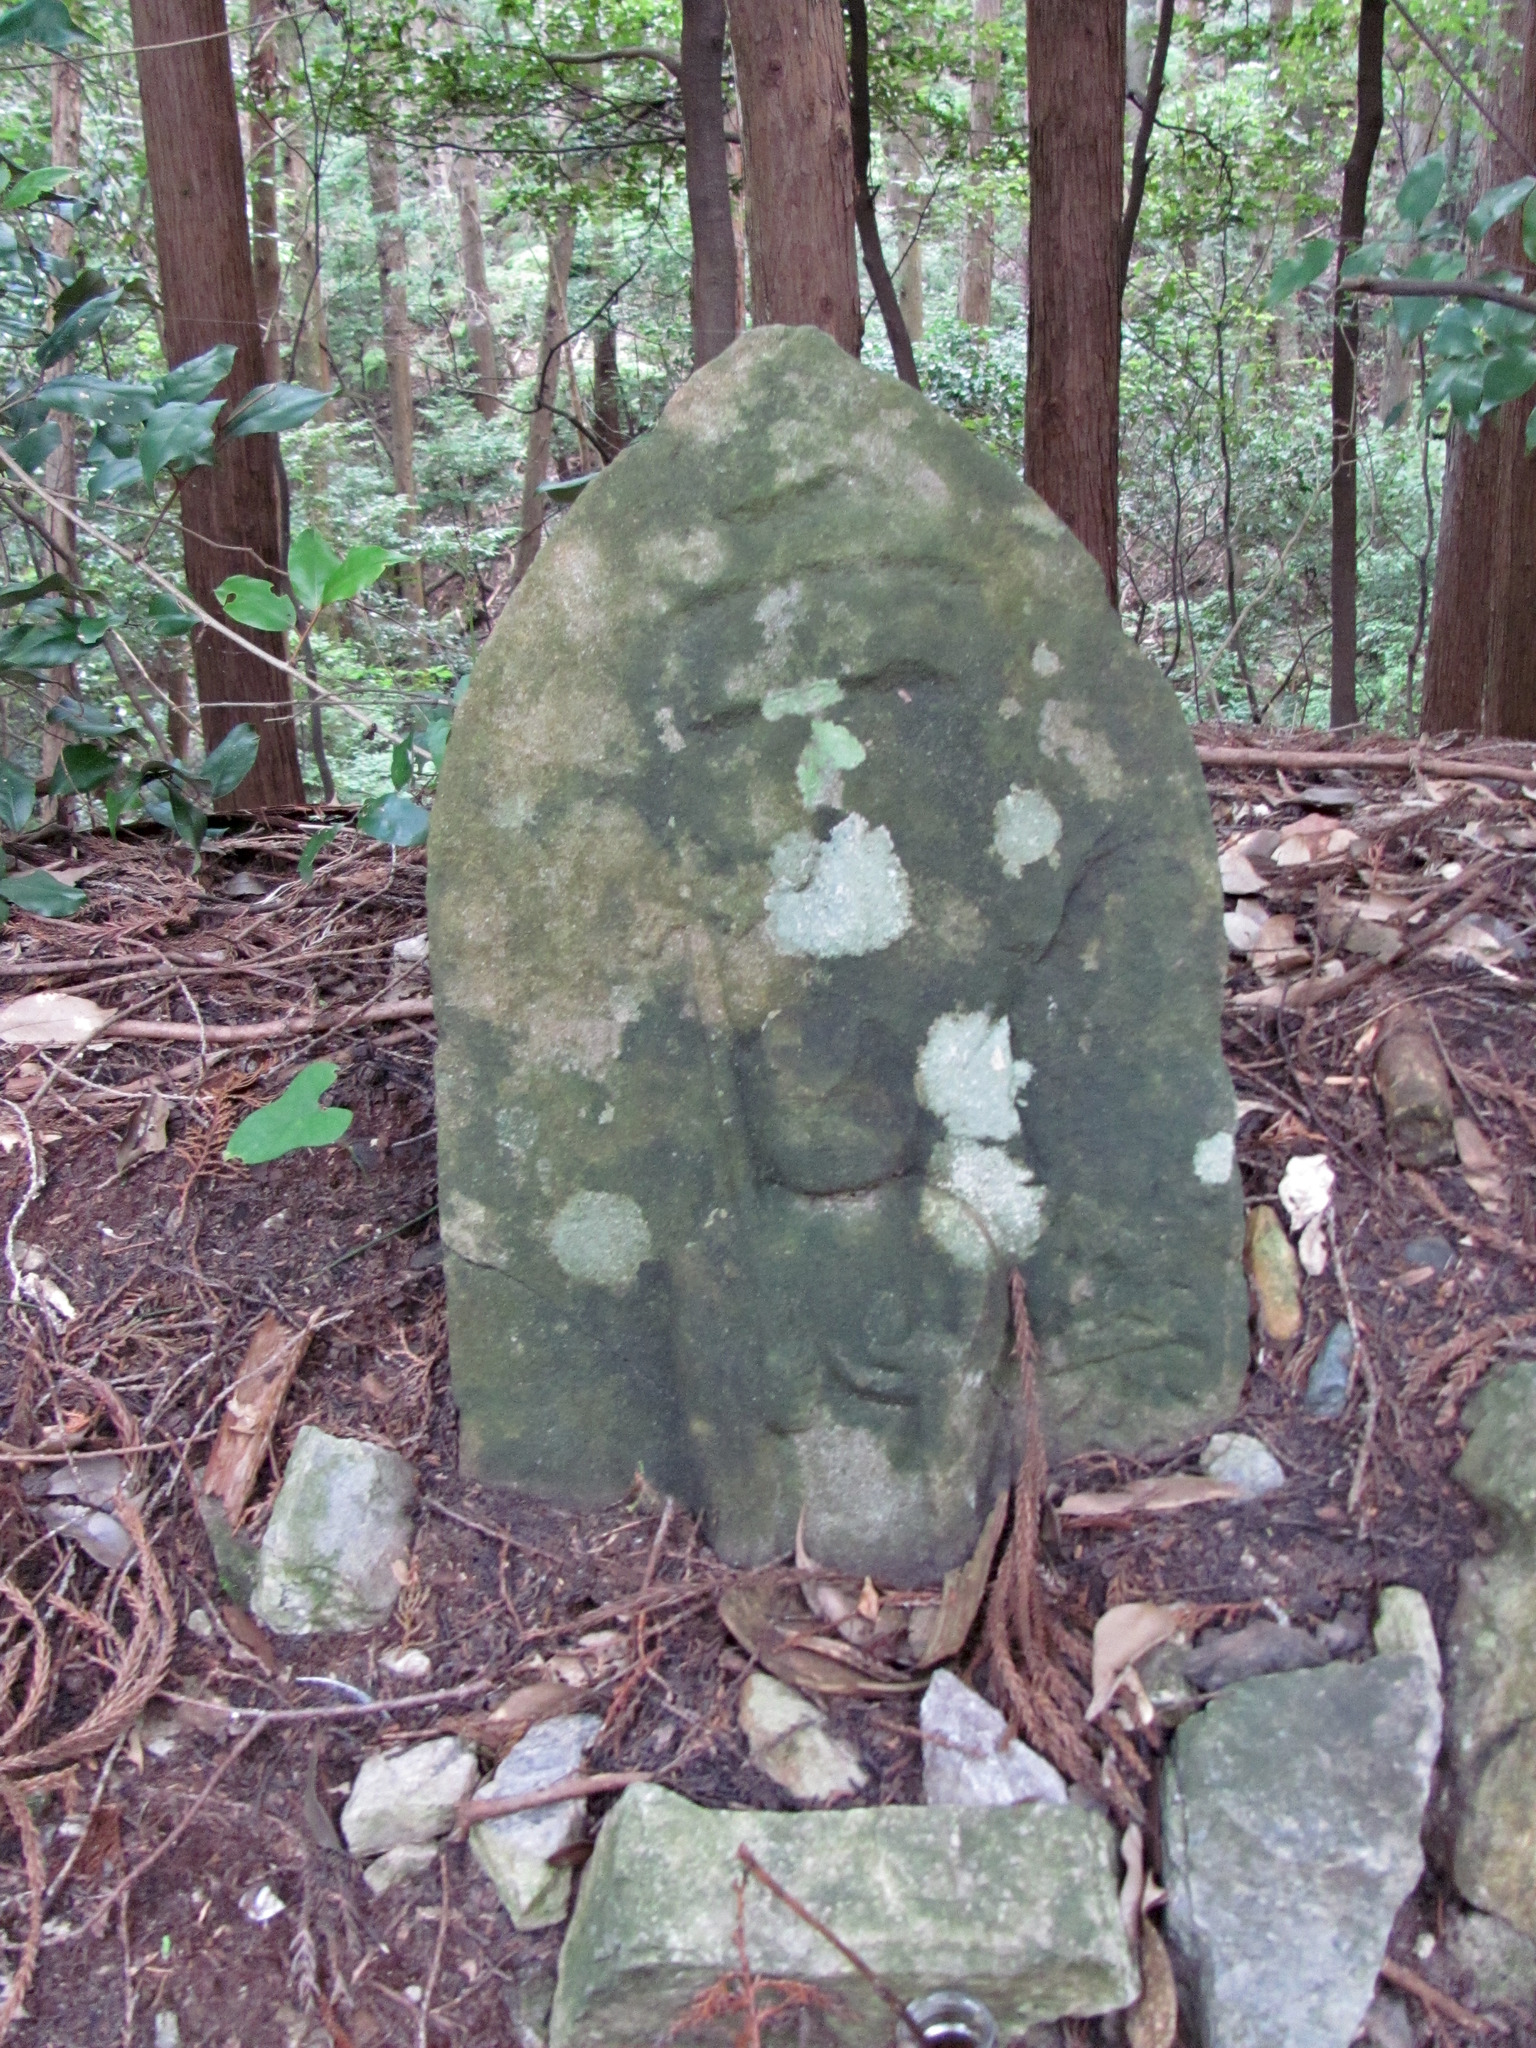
[1439,2001]
[37,1878]
[470,1812]
[877,1984]
[424,2018]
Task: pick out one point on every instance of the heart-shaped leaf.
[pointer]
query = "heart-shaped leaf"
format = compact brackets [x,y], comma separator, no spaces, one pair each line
[360,568]
[251,601]
[1295,273]
[1420,189]
[310,562]
[295,1122]
[17,796]
[394,819]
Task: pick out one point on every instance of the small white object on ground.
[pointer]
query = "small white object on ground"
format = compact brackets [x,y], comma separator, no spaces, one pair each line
[261,1904]
[403,1663]
[967,1758]
[408,1796]
[1243,1462]
[407,1859]
[791,1742]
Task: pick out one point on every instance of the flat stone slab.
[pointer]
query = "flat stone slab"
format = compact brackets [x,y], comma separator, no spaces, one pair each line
[1017,1905]
[825,918]
[1291,1815]
[340,1525]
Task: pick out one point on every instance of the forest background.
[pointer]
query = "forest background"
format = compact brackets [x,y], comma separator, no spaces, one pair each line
[469,232]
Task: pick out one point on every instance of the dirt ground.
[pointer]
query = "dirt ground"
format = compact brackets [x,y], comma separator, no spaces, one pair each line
[159,1829]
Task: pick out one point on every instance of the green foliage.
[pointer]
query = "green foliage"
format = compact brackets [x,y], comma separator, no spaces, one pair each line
[295,1122]
[42,894]
[252,601]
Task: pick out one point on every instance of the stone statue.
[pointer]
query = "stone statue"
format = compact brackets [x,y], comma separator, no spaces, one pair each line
[824,920]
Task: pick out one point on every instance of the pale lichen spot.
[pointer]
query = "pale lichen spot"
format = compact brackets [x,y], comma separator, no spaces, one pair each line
[828,753]
[1010,708]
[666,725]
[1000,1193]
[600,1239]
[1088,959]
[778,610]
[1027,828]
[846,896]
[1215,1158]
[968,1077]
[1065,733]
[468,1229]
[1034,515]
[1044,662]
[801,700]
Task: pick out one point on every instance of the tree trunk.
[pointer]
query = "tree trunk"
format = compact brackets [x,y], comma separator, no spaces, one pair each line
[542,421]
[907,213]
[1480,667]
[607,392]
[792,75]
[977,258]
[59,472]
[706,165]
[1076,168]
[389,240]
[310,353]
[1147,95]
[263,80]
[864,213]
[230,518]
[477,294]
[1344,587]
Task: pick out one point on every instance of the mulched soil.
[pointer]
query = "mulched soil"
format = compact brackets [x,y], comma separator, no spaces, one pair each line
[154,1832]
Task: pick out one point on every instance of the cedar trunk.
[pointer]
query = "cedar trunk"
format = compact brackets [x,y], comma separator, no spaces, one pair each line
[976,263]
[707,168]
[1076,167]
[230,518]
[60,471]
[263,78]
[864,202]
[389,240]
[1480,669]
[541,424]
[477,292]
[1344,584]
[792,75]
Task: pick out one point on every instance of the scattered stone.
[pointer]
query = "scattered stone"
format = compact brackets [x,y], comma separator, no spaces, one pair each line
[408,1795]
[167,2029]
[1405,1628]
[757,1015]
[408,1859]
[1018,1904]
[791,1742]
[1275,1275]
[200,1622]
[1502,1961]
[1261,1650]
[1243,1462]
[968,1758]
[1328,1381]
[1429,1251]
[340,1525]
[415,1665]
[1493,1657]
[1292,1805]
[514,1851]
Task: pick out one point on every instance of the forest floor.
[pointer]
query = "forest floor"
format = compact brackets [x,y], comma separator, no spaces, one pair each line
[153,1817]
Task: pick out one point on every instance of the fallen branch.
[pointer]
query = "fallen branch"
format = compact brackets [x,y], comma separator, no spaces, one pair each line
[1438,2001]
[300,1026]
[849,1955]
[470,1812]
[1407,762]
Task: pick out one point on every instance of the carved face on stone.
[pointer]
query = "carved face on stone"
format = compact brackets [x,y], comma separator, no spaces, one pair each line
[824,921]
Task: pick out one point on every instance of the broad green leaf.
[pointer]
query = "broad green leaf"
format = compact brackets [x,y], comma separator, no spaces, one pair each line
[190,820]
[231,760]
[394,819]
[271,408]
[97,398]
[1503,324]
[295,1122]
[39,21]
[1458,384]
[1369,260]
[1295,273]
[251,601]
[31,450]
[1420,189]
[195,378]
[312,849]
[87,721]
[359,568]
[85,321]
[1530,434]
[45,586]
[435,739]
[154,799]
[36,185]
[41,894]
[400,763]
[51,643]
[1496,206]
[81,768]
[1458,333]
[310,562]
[90,283]
[1510,375]
[1438,265]
[113,474]
[1413,317]
[178,435]
[17,796]
[167,619]
[114,801]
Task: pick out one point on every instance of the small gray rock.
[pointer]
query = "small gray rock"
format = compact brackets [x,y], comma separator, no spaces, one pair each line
[514,1851]
[1405,1628]
[792,1744]
[1498,1466]
[1291,1815]
[1501,1960]
[1243,1462]
[1260,1650]
[1428,1251]
[410,1859]
[408,1796]
[1388,2023]
[1328,1381]
[967,1757]
[339,1526]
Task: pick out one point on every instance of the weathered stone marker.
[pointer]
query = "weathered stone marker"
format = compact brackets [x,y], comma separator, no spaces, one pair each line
[825,918]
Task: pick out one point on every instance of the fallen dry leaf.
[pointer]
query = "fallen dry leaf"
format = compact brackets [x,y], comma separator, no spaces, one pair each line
[761,1613]
[273,1356]
[1480,1166]
[1121,1636]
[938,1633]
[1146,1497]
[52,1018]
[1153,2021]
[1239,877]
[145,1136]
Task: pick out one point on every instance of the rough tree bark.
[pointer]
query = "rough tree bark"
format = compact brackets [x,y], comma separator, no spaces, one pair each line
[907,213]
[1480,667]
[865,215]
[263,80]
[230,518]
[310,351]
[707,168]
[976,261]
[608,428]
[59,472]
[389,240]
[1344,586]
[1076,170]
[541,424]
[477,293]
[792,76]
